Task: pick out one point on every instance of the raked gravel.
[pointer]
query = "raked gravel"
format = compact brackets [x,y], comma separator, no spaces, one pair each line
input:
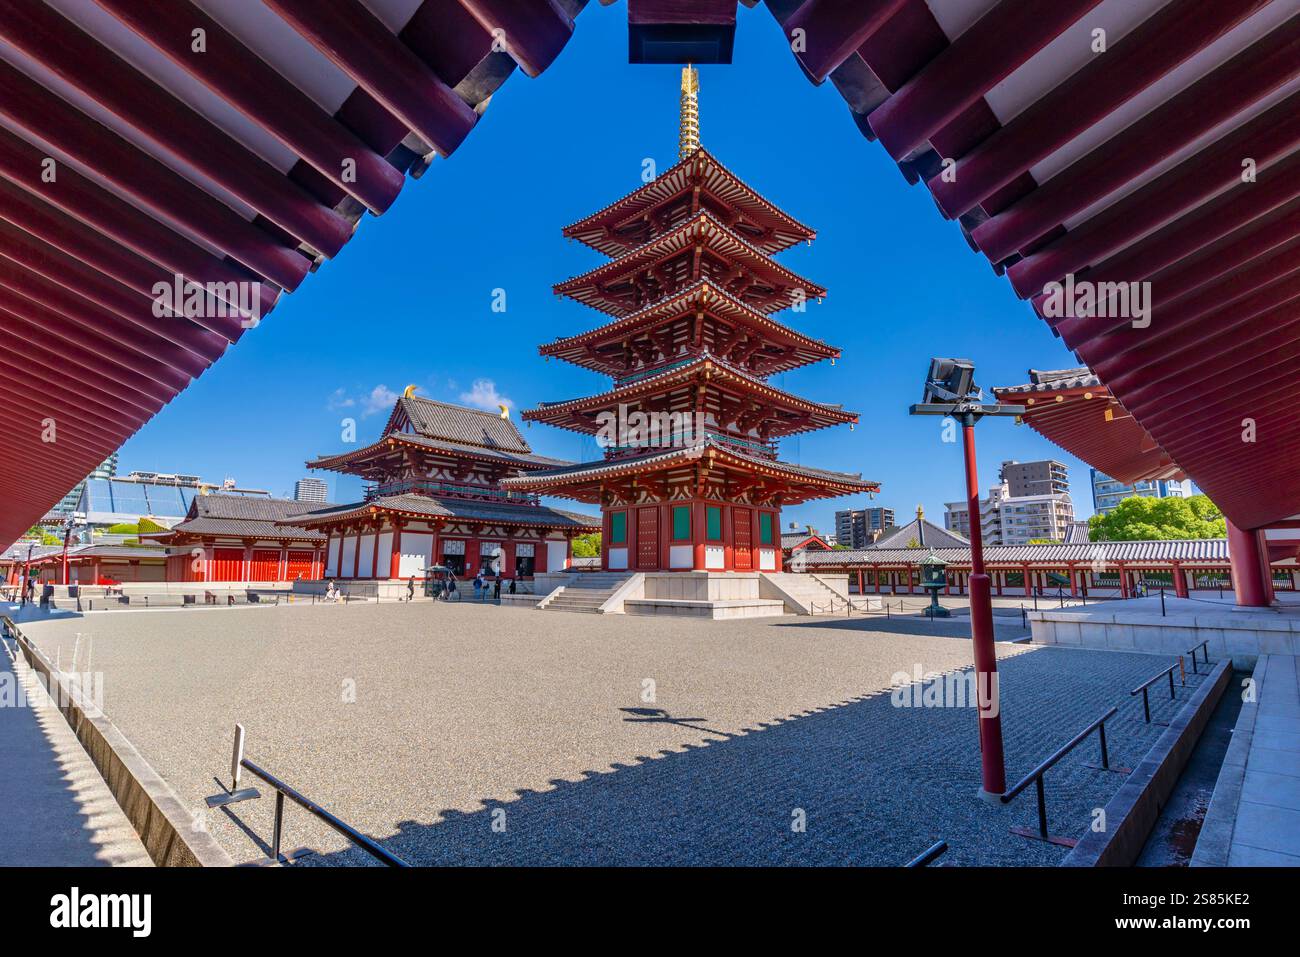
[479,734]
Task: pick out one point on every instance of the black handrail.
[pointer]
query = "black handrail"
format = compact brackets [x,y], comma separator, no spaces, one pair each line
[929,854]
[1205,650]
[1146,704]
[283,790]
[1036,775]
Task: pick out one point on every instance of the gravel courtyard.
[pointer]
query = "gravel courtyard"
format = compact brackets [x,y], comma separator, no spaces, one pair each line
[477,734]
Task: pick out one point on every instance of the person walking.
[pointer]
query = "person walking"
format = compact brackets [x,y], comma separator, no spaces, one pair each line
[451,586]
[496,589]
[410,589]
[478,586]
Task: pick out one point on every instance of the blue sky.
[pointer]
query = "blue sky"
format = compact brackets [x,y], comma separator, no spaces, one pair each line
[409,299]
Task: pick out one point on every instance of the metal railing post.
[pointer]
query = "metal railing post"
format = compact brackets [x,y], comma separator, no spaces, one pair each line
[1105,757]
[1042,807]
[1146,706]
[279,825]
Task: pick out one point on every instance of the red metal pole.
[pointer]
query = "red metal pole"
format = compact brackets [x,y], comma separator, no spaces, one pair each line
[66,535]
[981,618]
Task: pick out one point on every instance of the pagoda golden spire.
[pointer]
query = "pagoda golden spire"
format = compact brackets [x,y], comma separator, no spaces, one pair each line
[688,140]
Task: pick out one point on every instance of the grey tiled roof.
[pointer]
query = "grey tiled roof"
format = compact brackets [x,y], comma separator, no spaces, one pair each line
[931,537]
[521,459]
[238,517]
[1187,550]
[467,509]
[456,423]
[1049,380]
[686,453]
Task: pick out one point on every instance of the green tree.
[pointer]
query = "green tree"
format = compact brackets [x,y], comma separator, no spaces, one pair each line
[1153,519]
[587,546]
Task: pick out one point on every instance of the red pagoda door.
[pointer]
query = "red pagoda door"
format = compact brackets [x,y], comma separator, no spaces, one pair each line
[647,538]
[742,552]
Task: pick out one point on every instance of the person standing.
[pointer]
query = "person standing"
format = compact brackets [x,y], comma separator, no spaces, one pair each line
[496,589]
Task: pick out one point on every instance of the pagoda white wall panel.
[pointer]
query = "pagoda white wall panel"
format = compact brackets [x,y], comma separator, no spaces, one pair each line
[681,556]
[617,559]
[417,553]
[715,557]
[385,564]
[366,559]
[349,556]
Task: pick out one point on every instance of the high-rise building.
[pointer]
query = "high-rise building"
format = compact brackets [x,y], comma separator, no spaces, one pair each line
[310,490]
[1044,477]
[1007,519]
[68,504]
[856,527]
[1108,493]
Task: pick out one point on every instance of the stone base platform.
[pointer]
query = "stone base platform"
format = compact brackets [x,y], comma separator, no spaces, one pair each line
[1243,634]
[714,595]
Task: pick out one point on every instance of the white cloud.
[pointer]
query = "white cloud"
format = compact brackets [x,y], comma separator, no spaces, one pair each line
[380,399]
[483,394]
[339,399]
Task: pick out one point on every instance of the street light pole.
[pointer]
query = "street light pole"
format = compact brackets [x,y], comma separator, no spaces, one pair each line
[993,765]
[950,391]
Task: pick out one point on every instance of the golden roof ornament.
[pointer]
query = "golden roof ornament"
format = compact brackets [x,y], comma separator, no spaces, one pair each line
[688,140]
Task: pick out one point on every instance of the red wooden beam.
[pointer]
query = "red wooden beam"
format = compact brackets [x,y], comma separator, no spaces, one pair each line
[362,47]
[49,118]
[1269,137]
[1156,46]
[960,75]
[107,79]
[83,244]
[1245,79]
[246,82]
[534,31]
[117,221]
[825,33]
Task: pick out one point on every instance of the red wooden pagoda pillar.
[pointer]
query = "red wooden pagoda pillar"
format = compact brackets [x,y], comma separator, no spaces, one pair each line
[909,578]
[1074,580]
[1248,558]
[698,534]
[862,588]
[395,559]
[1180,581]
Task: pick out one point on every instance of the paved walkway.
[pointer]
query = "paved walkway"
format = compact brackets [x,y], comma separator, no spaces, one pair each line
[55,809]
[1254,819]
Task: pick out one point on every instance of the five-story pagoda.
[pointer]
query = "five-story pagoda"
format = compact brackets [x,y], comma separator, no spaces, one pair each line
[690,479]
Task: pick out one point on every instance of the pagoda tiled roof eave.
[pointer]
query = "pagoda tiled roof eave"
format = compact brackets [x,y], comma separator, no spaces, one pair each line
[646,313]
[520,459]
[811,289]
[427,508]
[651,383]
[681,168]
[588,471]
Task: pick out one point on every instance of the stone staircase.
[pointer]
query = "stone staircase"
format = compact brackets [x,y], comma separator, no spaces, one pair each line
[813,595]
[586,591]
